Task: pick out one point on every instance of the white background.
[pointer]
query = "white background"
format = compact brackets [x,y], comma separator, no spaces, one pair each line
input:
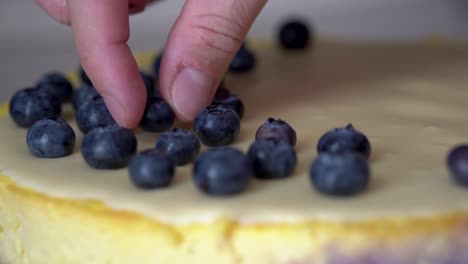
[32,43]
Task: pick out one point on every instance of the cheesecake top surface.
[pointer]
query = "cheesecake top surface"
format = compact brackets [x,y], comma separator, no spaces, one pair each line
[410,100]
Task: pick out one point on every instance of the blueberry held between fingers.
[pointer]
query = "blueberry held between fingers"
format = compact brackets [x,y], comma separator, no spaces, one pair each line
[232,101]
[294,35]
[151,169]
[84,77]
[181,145]
[50,137]
[222,93]
[30,105]
[344,139]
[83,94]
[457,162]
[149,84]
[157,65]
[272,159]
[277,129]
[340,174]
[108,147]
[217,125]
[56,84]
[243,61]
[92,114]
[222,171]
[158,116]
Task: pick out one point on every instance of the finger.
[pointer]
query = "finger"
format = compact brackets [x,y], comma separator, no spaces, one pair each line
[58,9]
[201,46]
[101,30]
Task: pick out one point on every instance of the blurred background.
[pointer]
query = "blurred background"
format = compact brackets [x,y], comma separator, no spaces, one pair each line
[32,43]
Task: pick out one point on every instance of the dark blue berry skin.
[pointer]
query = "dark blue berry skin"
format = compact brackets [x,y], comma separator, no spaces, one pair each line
[149,84]
[157,65]
[243,61]
[83,94]
[158,116]
[277,129]
[344,139]
[84,77]
[272,159]
[222,92]
[181,145]
[294,35]
[56,84]
[340,174]
[232,101]
[457,162]
[222,171]
[108,147]
[217,125]
[151,169]
[92,114]
[30,105]
[50,137]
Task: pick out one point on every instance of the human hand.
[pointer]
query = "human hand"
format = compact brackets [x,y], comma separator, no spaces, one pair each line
[200,47]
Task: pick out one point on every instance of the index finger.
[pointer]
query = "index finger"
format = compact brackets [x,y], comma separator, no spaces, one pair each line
[101,31]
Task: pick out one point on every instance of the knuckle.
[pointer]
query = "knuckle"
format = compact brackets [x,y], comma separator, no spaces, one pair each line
[218,32]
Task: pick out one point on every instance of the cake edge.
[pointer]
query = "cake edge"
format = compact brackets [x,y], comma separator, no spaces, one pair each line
[33,225]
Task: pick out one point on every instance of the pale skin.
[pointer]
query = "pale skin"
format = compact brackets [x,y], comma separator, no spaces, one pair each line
[199,49]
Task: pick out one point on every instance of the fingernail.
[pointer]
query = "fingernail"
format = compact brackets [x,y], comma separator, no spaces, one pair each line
[191,92]
[116,110]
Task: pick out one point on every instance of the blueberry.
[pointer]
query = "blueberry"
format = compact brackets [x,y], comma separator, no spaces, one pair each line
[232,101]
[83,94]
[243,61]
[158,115]
[294,35]
[222,93]
[108,147]
[92,114]
[272,158]
[56,84]
[157,65]
[457,163]
[344,139]
[278,129]
[217,125]
[222,171]
[84,77]
[149,84]
[50,137]
[30,105]
[151,169]
[180,144]
[340,174]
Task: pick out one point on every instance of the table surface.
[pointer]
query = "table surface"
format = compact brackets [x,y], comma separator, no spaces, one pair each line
[32,43]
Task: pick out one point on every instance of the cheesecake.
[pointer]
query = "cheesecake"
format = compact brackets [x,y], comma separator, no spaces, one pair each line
[410,100]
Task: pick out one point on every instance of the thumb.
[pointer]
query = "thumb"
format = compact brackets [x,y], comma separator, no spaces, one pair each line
[202,43]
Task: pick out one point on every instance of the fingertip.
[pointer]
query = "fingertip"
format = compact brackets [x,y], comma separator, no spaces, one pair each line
[192,90]
[125,116]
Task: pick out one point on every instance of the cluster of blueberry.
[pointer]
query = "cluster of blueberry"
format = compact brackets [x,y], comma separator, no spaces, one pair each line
[227,171]
[45,99]
[341,167]
[39,109]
